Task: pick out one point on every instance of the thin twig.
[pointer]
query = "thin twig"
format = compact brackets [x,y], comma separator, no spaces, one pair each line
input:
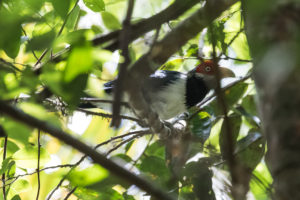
[58,34]
[29,40]
[70,193]
[236,59]
[83,157]
[105,115]
[119,85]
[121,143]
[3,175]
[97,100]
[38,165]
[229,150]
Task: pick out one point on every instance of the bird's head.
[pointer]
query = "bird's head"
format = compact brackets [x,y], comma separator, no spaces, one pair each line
[207,70]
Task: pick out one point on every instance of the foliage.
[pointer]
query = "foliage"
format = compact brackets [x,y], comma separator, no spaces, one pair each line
[48,62]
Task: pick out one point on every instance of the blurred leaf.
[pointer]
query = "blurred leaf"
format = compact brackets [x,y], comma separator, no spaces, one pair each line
[11,169]
[108,182]
[249,104]
[251,149]
[97,29]
[156,149]
[232,96]
[192,51]
[61,7]
[154,166]
[173,65]
[5,165]
[240,47]
[73,18]
[35,4]
[80,61]
[216,32]
[186,192]
[200,176]
[235,125]
[21,185]
[121,156]
[10,36]
[16,197]
[253,120]
[39,112]
[110,194]
[42,42]
[88,176]
[235,93]
[261,183]
[27,157]
[83,193]
[200,126]
[16,130]
[95,5]
[10,148]
[110,21]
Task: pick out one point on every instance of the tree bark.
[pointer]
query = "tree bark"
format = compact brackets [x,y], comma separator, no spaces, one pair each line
[274,41]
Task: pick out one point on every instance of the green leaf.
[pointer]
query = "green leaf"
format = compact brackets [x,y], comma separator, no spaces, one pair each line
[96,29]
[88,176]
[35,4]
[235,125]
[108,182]
[61,7]
[199,176]
[110,194]
[5,165]
[121,156]
[249,104]
[251,149]
[40,113]
[200,126]
[21,185]
[95,5]
[73,18]
[155,166]
[10,148]
[156,149]
[174,64]
[16,197]
[11,169]
[232,96]
[192,51]
[16,130]
[27,157]
[79,62]
[10,36]
[235,93]
[110,21]
[41,42]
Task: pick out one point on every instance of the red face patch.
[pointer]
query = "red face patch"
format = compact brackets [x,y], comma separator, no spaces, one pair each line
[207,67]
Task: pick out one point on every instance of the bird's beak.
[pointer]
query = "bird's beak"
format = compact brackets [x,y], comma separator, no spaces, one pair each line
[226,73]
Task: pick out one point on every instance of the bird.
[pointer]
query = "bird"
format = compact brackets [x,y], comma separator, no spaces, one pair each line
[170,93]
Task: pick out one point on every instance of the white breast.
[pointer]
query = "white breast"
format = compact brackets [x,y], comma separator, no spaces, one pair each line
[170,101]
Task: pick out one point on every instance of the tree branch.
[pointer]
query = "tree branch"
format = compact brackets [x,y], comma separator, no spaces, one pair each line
[98,158]
[144,26]
[119,86]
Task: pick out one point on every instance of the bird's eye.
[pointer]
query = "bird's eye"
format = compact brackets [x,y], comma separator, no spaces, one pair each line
[207,69]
